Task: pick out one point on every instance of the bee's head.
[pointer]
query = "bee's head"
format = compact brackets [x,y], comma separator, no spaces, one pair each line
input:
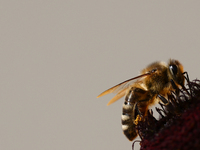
[176,71]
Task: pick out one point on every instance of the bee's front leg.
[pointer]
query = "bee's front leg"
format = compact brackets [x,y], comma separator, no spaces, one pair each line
[163,99]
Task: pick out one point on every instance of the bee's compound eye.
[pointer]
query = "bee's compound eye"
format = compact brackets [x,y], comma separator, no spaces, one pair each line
[173,69]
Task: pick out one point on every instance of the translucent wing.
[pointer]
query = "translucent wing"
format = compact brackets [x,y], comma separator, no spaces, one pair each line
[121,88]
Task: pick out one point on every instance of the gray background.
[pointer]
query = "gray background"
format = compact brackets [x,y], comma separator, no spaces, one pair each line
[57,56]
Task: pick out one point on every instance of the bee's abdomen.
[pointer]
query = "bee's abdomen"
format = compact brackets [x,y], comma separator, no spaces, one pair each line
[128,125]
[129,112]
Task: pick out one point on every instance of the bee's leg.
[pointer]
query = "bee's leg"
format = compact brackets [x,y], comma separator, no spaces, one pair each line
[188,81]
[140,110]
[186,77]
[137,111]
[163,99]
[167,104]
[137,108]
[177,90]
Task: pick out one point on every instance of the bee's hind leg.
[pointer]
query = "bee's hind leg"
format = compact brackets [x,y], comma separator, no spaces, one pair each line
[140,111]
[140,108]
[137,110]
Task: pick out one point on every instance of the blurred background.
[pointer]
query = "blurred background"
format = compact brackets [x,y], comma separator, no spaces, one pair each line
[56,57]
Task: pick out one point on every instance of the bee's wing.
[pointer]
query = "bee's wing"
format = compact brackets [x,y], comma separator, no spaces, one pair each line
[121,88]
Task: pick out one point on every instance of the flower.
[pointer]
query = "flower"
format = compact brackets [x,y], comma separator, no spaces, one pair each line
[179,125]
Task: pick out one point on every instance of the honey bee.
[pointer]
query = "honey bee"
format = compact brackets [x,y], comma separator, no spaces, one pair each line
[141,92]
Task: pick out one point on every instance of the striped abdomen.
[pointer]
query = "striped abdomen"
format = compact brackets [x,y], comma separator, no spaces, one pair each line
[129,113]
